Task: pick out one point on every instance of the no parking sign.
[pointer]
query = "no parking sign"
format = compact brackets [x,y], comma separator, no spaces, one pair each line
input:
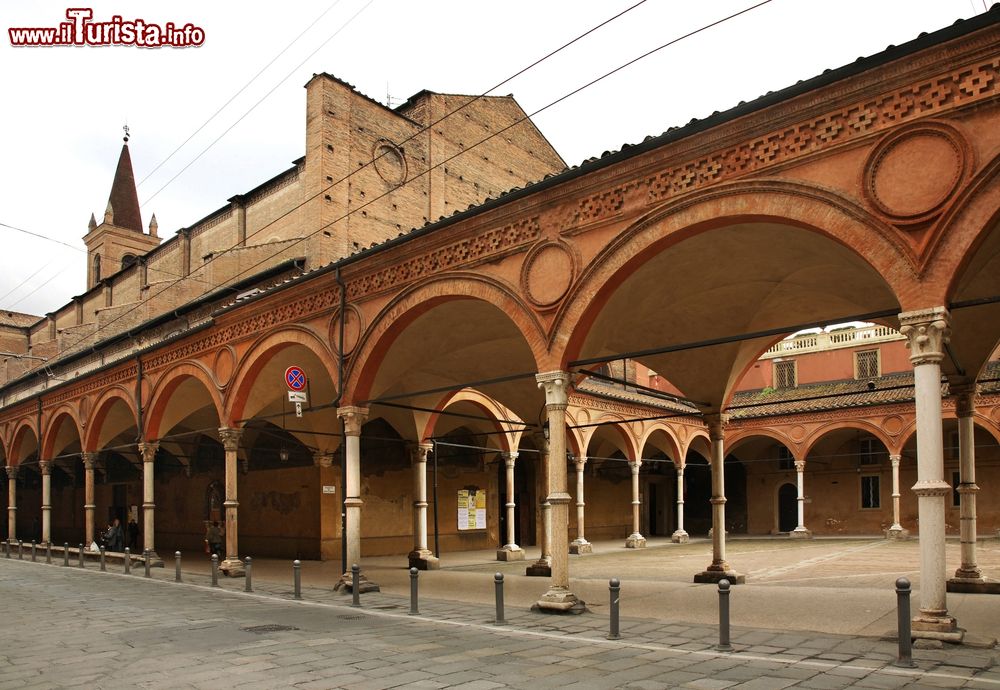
[295,379]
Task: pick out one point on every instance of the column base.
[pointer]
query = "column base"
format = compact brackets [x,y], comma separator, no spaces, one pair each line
[680,537]
[897,534]
[972,585]
[635,541]
[580,546]
[714,573]
[800,534]
[540,568]
[510,552]
[346,583]
[559,600]
[231,567]
[423,559]
[930,627]
[154,560]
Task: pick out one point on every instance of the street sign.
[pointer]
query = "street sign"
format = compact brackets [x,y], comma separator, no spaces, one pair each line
[297,397]
[295,378]
[298,409]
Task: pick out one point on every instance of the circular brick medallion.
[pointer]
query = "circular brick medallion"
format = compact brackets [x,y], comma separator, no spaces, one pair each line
[390,162]
[352,330]
[547,273]
[225,361]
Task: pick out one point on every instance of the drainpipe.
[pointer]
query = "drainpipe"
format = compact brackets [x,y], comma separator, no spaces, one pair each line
[138,400]
[343,424]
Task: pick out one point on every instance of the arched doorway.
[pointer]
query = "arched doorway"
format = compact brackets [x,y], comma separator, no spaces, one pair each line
[787,508]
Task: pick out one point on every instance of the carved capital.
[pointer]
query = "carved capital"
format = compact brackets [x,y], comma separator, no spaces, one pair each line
[509,458]
[555,384]
[45,467]
[927,331]
[965,399]
[323,458]
[230,438]
[11,472]
[148,451]
[354,418]
[716,424]
[89,461]
[800,465]
[894,460]
[634,465]
[419,453]
[581,462]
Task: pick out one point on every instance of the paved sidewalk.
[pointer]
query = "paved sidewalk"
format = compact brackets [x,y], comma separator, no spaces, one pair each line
[192,635]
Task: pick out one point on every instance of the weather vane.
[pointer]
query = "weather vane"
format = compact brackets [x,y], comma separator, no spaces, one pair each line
[125,129]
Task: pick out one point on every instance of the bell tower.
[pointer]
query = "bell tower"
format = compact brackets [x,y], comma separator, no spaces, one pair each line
[119,241]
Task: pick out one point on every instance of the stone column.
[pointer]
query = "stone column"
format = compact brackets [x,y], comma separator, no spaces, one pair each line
[635,540]
[11,503]
[559,598]
[45,467]
[148,453]
[580,545]
[543,566]
[927,332]
[719,569]
[232,566]
[800,531]
[968,572]
[896,531]
[421,557]
[510,551]
[89,507]
[680,536]
[354,418]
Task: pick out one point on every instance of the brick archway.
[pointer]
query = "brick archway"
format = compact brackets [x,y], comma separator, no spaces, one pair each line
[100,410]
[163,395]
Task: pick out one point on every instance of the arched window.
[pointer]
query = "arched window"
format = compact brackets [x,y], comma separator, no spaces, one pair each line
[97,268]
[128,260]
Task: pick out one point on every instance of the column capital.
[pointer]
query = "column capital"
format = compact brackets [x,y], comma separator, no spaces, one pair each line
[894,460]
[89,460]
[716,424]
[927,331]
[556,385]
[148,450]
[965,399]
[419,452]
[230,438]
[800,465]
[45,467]
[354,418]
[509,458]
[634,465]
[11,471]
[323,458]
[580,461]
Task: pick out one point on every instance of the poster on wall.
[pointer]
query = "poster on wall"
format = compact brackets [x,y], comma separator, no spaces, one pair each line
[471,509]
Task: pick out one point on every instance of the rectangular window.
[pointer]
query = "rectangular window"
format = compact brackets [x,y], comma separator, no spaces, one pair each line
[869,451]
[784,374]
[956,498]
[870,497]
[866,364]
[785,459]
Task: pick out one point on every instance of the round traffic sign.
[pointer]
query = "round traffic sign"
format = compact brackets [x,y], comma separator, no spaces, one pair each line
[295,378]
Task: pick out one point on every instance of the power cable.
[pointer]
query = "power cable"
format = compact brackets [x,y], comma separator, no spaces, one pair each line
[241,90]
[23,282]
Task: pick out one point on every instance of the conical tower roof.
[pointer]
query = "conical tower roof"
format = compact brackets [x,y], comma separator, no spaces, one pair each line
[124,200]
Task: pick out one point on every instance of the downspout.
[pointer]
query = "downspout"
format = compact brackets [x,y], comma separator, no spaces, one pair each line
[40,436]
[138,400]
[343,424]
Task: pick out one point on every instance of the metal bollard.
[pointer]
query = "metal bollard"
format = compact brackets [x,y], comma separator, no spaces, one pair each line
[724,645]
[215,570]
[355,585]
[297,579]
[65,554]
[81,555]
[905,658]
[48,552]
[145,558]
[33,547]
[104,566]
[615,588]
[20,550]
[128,561]
[498,582]
[177,566]
[248,566]
[6,549]
[414,574]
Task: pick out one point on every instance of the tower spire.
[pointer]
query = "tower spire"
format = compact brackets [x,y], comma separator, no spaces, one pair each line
[124,199]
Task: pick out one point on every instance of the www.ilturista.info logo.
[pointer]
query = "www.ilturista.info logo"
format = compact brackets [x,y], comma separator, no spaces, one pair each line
[81,30]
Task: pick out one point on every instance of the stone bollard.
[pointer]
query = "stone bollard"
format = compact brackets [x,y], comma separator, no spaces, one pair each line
[33,547]
[177,566]
[724,645]
[414,574]
[248,566]
[145,561]
[81,555]
[355,585]
[215,570]
[6,549]
[905,657]
[65,554]
[48,552]
[498,585]
[104,564]
[128,561]
[297,579]
[20,550]
[614,587]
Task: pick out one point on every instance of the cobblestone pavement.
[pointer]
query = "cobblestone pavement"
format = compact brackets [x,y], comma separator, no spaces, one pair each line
[67,627]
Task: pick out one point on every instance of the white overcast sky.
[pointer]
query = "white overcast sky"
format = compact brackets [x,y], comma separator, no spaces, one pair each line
[62,109]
